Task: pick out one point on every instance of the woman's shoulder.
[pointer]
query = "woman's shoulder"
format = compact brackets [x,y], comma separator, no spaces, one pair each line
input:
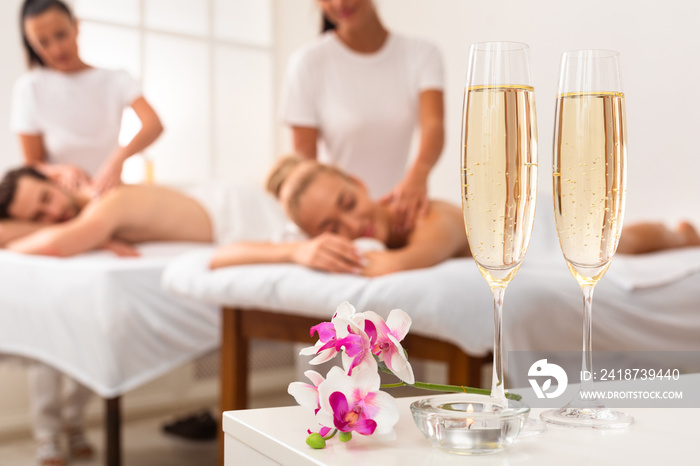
[30,80]
[441,214]
[316,48]
[33,76]
[415,44]
[442,206]
[445,214]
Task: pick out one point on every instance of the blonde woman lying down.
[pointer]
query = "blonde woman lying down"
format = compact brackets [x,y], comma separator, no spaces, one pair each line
[334,209]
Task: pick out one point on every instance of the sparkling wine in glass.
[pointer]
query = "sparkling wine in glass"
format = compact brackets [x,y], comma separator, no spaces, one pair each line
[499,171]
[589,181]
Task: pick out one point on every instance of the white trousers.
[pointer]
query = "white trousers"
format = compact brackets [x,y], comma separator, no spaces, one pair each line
[51,411]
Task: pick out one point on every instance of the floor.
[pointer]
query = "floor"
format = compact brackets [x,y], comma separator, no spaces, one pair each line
[143,443]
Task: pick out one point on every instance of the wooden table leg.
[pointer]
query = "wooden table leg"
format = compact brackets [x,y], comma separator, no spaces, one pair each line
[234,368]
[113,448]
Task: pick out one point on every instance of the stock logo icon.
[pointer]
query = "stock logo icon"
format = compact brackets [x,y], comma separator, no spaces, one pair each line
[541,369]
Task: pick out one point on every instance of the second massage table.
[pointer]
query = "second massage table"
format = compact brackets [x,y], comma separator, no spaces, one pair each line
[103,320]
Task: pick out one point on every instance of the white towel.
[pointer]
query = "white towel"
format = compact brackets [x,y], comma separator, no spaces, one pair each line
[631,272]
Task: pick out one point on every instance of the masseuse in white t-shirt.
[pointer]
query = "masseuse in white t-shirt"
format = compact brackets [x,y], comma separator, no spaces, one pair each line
[67,113]
[354,98]
[68,117]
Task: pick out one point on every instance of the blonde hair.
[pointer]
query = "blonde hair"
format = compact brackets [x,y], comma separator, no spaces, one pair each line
[277,179]
[280,172]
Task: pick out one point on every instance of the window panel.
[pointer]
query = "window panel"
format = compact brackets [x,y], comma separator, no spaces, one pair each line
[244,21]
[124,12]
[177,16]
[110,47]
[176,82]
[244,119]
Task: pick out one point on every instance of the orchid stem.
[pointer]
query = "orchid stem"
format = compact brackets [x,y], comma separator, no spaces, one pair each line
[331,435]
[448,388]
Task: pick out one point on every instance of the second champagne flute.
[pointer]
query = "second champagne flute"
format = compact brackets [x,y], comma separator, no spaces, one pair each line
[499,171]
[589,183]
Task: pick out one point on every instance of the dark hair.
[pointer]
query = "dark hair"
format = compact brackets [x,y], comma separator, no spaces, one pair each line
[30,9]
[326,24]
[8,186]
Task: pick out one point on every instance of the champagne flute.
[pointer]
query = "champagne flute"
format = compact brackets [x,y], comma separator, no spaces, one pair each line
[589,178]
[499,172]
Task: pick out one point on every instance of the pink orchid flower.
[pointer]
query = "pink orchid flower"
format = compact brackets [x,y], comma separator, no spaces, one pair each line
[349,327]
[307,396]
[304,394]
[354,402]
[344,331]
[385,338]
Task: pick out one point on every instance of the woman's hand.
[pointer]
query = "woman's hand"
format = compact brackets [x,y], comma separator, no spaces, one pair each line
[408,202]
[329,252]
[68,177]
[108,176]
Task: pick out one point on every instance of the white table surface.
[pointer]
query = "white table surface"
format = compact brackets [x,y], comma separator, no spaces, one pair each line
[659,437]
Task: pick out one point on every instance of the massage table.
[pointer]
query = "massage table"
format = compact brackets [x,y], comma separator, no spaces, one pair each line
[103,320]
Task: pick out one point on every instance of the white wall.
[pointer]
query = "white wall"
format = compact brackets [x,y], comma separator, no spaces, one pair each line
[659,45]
[11,66]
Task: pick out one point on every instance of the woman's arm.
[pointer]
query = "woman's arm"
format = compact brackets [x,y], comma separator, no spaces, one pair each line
[304,140]
[327,252]
[438,236]
[409,198]
[252,253]
[109,174]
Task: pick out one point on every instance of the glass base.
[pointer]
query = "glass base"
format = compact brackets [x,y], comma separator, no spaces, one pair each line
[532,428]
[592,418]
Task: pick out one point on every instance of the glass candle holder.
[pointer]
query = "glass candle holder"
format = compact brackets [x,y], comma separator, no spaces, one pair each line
[469,424]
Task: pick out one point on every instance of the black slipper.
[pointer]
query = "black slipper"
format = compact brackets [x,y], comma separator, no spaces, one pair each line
[199,426]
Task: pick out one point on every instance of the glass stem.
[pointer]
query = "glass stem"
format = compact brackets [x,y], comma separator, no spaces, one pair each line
[587,358]
[497,382]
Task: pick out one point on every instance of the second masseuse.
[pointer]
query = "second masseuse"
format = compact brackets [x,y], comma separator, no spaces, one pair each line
[354,98]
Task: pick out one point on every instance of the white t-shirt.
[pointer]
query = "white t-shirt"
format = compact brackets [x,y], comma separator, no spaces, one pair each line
[365,106]
[77,114]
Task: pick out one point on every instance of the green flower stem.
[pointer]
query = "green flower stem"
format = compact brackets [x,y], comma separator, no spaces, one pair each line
[449,388]
[331,435]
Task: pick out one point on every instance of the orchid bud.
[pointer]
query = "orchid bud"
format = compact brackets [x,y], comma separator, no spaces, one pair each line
[345,436]
[316,441]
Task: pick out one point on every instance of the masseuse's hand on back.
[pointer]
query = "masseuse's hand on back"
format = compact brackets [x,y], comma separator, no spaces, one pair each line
[329,252]
[109,174]
[69,177]
[107,177]
[408,202]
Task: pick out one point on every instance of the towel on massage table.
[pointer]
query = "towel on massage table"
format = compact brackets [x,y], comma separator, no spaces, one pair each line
[101,319]
[542,309]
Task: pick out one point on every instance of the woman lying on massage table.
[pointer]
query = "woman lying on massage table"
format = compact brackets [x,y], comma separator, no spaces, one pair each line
[334,209]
